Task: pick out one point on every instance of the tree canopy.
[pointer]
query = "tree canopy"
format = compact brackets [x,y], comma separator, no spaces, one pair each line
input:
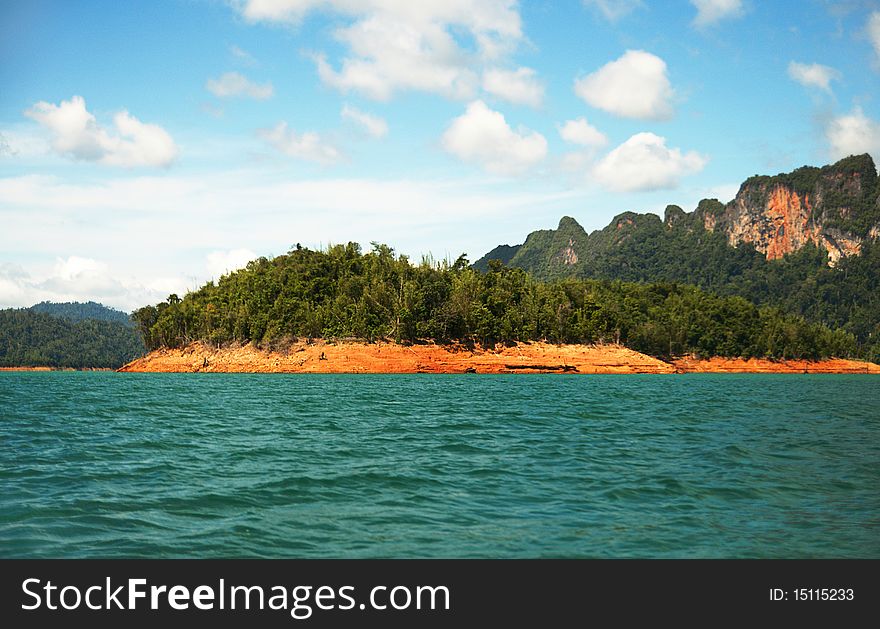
[37,339]
[345,293]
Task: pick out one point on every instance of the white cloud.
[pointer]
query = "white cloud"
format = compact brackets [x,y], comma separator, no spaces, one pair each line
[13,286]
[519,86]
[483,136]
[710,12]
[813,75]
[613,10]
[633,86]
[589,138]
[309,146]
[76,133]
[77,278]
[644,162]
[291,11]
[853,134]
[23,142]
[431,45]
[579,131]
[235,85]
[76,275]
[374,126]
[220,263]
[392,56]
[873,28]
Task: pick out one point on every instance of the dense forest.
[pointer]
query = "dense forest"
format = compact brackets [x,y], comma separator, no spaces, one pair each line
[35,339]
[843,200]
[344,293]
[80,311]
[644,248]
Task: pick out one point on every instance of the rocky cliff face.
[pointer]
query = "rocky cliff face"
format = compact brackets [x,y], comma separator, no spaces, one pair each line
[835,208]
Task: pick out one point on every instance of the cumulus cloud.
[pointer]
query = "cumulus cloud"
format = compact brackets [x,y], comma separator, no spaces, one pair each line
[579,131]
[519,86]
[309,146]
[430,45]
[77,275]
[813,75]
[873,29]
[710,12]
[374,126]
[644,162]
[235,85]
[393,57]
[220,263]
[76,133]
[482,136]
[633,86]
[613,10]
[853,134]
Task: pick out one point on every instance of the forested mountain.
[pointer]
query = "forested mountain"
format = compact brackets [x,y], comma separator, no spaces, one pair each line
[80,311]
[835,209]
[805,242]
[342,292]
[29,338]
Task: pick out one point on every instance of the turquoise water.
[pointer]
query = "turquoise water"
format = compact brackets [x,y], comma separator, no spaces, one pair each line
[228,465]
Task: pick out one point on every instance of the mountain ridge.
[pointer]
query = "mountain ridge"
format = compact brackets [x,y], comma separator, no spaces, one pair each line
[835,208]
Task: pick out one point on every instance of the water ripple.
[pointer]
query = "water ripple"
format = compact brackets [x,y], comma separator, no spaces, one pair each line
[234,465]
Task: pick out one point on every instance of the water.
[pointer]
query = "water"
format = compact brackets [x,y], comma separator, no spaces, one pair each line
[228,465]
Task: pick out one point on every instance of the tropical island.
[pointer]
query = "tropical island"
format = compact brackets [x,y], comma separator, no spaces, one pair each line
[783,278]
[345,310]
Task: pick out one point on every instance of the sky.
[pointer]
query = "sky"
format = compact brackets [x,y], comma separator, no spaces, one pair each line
[147,147]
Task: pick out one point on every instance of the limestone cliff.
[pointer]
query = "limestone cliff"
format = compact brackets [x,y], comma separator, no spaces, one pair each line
[835,208]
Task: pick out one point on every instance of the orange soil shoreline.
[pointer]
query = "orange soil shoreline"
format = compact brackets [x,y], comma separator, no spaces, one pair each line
[353,357]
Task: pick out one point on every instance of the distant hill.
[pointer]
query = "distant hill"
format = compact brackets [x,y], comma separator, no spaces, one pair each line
[80,311]
[805,241]
[30,337]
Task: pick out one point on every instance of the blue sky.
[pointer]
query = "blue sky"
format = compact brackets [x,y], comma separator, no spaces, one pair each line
[146,147]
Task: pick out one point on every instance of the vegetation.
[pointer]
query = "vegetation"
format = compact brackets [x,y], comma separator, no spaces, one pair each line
[642,248]
[79,311]
[343,293]
[36,339]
